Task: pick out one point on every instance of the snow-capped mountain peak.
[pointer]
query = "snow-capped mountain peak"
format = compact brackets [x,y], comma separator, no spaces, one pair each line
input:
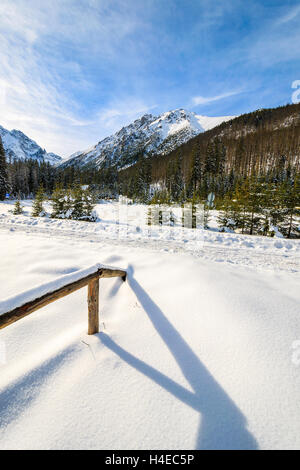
[18,146]
[147,135]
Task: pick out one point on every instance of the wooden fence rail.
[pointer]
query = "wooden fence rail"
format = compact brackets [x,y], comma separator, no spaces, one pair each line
[91,280]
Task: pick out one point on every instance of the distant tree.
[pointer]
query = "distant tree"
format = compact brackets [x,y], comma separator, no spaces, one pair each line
[18,209]
[59,199]
[290,212]
[195,176]
[88,206]
[77,202]
[143,180]
[4,186]
[176,180]
[228,216]
[37,206]
[253,200]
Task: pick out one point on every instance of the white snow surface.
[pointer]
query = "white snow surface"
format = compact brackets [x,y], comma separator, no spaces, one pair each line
[149,134]
[196,349]
[18,146]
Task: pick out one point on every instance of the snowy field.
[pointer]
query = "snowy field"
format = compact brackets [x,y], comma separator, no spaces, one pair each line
[127,225]
[198,349]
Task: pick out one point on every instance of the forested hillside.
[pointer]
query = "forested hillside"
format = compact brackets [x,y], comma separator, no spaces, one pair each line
[263,143]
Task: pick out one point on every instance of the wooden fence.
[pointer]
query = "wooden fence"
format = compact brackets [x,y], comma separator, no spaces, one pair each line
[91,280]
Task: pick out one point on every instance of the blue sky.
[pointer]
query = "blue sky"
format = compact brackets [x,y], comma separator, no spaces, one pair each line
[75,71]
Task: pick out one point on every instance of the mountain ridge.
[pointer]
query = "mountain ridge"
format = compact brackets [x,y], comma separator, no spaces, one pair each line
[264,141]
[147,135]
[19,146]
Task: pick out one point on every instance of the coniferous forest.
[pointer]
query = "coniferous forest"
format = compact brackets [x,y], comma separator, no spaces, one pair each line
[250,164]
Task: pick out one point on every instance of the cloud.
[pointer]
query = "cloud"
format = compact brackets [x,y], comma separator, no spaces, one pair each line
[197,100]
[46,54]
[74,71]
[291,15]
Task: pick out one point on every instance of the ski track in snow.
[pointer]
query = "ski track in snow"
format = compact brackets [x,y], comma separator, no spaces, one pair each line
[240,256]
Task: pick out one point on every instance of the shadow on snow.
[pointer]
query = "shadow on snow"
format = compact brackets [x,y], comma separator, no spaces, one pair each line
[223,426]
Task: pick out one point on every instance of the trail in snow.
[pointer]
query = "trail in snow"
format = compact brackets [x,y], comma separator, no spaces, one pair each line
[222,248]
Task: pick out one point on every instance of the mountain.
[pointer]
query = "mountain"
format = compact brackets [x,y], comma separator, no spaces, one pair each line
[18,146]
[147,135]
[265,141]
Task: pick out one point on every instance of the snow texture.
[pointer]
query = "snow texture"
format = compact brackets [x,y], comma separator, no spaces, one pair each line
[194,352]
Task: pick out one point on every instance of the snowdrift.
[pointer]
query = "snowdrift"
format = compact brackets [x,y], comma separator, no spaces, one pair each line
[192,354]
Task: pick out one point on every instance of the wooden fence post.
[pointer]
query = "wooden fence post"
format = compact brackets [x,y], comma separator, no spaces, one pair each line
[93,306]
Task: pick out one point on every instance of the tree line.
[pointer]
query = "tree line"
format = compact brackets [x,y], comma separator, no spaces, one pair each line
[257,201]
[76,203]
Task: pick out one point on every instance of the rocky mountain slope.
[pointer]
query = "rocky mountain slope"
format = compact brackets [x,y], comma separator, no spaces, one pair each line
[263,141]
[18,146]
[147,135]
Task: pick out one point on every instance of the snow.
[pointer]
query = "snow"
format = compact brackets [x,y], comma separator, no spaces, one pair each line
[18,146]
[122,224]
[209,122]
[193,352]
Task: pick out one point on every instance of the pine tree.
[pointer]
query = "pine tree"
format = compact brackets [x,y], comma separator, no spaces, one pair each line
[254,203]
[195,177]
[177,185]
[211,158]
[37,206]
[143,180]
[4,186]
[59,208]
[238,208]
[18,209]
[88,206]
[77,203]
[228,216]
[290,200]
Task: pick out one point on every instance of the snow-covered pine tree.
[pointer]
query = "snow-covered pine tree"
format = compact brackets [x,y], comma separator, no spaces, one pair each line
[88,206]
[37,206]
[4,186]
[18,209]
[58,201]
[77,203]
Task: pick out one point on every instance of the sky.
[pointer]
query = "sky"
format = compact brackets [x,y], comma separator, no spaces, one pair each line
[75,71]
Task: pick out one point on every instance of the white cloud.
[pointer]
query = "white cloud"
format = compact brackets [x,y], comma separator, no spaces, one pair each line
[40,74]
[197,100]
[291,15]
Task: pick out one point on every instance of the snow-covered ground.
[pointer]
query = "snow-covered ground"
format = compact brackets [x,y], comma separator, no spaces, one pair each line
[198,349]
[127,225]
